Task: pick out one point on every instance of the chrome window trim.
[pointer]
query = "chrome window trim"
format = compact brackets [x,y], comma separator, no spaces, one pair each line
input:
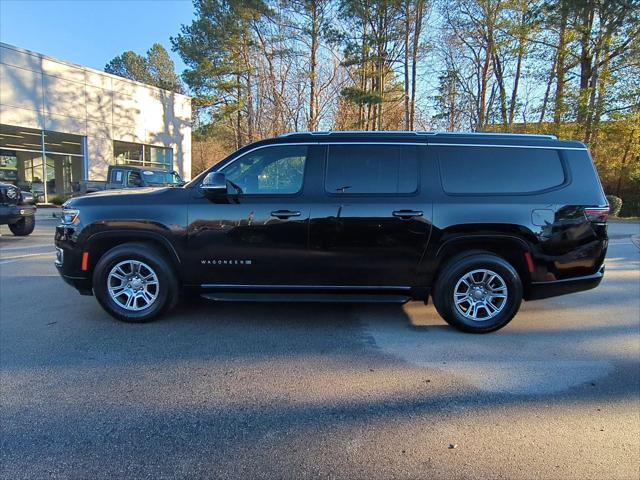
[387,142]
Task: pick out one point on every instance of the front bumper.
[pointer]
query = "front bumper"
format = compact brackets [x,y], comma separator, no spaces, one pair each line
[68,261]
[540,290]
[14,213]
[81,284]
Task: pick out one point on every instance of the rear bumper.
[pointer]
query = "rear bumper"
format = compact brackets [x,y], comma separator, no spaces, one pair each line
[540,290]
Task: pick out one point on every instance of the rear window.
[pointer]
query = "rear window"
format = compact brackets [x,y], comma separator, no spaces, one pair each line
[372,169]
[487,170]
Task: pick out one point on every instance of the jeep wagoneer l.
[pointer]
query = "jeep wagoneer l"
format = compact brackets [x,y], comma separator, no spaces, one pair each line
[476,222]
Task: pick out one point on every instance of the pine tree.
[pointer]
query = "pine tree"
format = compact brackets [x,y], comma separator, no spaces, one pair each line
[155,69]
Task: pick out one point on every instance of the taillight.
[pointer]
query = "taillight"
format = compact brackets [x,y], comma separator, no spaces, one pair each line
[596,214]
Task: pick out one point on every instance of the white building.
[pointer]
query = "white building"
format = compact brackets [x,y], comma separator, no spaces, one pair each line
[80,121]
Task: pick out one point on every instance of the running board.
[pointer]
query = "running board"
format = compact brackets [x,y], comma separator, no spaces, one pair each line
[305,297]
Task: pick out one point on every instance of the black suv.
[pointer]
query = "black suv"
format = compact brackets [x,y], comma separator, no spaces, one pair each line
[14,212]
[476,221]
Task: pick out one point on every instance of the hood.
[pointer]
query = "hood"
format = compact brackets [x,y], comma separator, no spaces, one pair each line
[124,191]
[128,196]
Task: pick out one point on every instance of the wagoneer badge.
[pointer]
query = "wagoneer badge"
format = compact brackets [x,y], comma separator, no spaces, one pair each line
[224,262]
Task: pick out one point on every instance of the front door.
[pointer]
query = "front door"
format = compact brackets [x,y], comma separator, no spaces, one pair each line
[373,226]
[260,237]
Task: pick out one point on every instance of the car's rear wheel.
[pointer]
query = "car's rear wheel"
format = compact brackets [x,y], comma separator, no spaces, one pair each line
[134,283]
[23,227]
[478,293]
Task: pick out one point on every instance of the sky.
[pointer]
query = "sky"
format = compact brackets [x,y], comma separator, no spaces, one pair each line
[92,32]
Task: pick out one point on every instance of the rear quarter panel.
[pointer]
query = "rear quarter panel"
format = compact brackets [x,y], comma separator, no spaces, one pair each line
[550,225]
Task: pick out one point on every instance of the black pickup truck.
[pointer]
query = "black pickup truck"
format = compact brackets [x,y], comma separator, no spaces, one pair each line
[130,176]
[19,216]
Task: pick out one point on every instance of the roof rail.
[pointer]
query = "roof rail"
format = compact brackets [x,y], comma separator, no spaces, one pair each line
[500,134]
[347,132]
[412,132]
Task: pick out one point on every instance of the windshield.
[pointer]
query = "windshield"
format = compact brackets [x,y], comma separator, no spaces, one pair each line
[153,177]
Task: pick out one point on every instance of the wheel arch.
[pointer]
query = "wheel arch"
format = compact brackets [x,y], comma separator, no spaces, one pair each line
[100,243]
[511,248]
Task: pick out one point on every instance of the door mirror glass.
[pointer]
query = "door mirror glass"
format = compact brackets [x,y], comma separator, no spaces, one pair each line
[214,183]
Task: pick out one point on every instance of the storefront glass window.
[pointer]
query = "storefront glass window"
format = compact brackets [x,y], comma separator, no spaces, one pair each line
[126,153]
[21,154]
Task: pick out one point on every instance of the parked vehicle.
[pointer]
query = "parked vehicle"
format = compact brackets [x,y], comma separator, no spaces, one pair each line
[477,222]
[27,197]
[130,176]
[14,211]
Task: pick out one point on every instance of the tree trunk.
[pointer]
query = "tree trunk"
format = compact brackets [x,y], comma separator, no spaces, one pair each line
[248,89]
[407,23]
[623,161]
[362,123]
[586,61]
[522,39]
[484,77]
[239,136]
[561,68]
[545,100]
[603,78]
[497,68]
[419,16]
[313,114]
[452,105]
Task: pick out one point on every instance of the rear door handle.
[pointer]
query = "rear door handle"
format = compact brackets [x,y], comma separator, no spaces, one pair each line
[284,214]
[407,214]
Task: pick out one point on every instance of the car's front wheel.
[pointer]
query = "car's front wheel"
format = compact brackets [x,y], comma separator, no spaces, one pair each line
[134,283]
[23,227]
[478,293]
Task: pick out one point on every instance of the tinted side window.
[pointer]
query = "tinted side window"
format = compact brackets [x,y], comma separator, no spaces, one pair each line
[487,170]
[269,170]
[134,179]
[116,176]
[372,169]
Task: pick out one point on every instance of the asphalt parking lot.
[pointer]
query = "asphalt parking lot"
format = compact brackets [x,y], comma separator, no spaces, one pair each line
[316,390]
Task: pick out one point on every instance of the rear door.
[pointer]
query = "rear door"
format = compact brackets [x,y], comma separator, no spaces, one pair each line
[372,225]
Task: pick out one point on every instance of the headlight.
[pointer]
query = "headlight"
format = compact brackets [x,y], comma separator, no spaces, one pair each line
[70,216]
[12,193]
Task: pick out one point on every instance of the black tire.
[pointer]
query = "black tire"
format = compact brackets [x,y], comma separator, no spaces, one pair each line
[462,265]
[23,227]
[167,284]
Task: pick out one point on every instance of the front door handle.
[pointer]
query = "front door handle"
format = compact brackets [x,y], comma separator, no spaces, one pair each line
[407,214]
[284,214]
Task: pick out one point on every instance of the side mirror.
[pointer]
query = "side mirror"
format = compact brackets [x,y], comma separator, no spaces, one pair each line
[214,184]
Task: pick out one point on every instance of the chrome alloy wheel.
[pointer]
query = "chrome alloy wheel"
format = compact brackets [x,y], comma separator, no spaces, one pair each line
[480,295]
[133,285]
